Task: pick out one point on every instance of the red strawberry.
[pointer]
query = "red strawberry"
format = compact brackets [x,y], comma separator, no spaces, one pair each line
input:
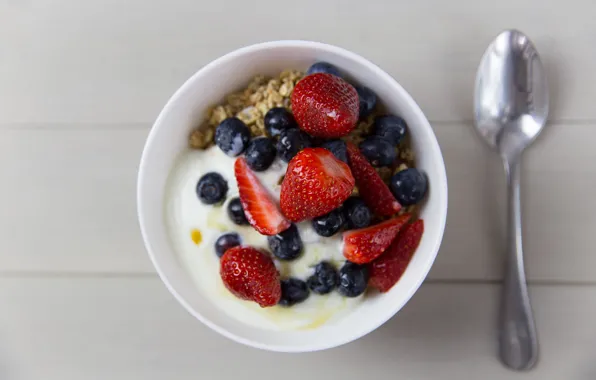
[325,105]
[372,189]
[387,269]
[366,244]
[260,209]
[316,182]
[250,275]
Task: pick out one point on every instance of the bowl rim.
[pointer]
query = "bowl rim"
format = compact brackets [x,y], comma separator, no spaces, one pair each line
[411,103]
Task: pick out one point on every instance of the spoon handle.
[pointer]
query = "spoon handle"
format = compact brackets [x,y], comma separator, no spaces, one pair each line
[518,341]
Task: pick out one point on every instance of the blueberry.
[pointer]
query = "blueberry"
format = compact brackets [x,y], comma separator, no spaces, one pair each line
[279,119]
[225,242]
[356,213]
[231,136]
[293,291]
[292,141]
[338,148]
[212,188]
[378,151]
[368,100]
[286,245]
[260,153]
[236,212]
[328,224]
[324,280]
[353,279]
[391,128]
[409,186]
[323,67]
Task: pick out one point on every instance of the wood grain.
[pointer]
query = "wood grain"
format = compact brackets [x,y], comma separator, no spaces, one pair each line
[125,328]
[119,61]
[70,202]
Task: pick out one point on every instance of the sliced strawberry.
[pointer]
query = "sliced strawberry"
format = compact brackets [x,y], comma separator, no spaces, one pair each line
[372,189]
[259,207]
[325,105]
[316,182]
[388,268]
[366,244]
[250,275]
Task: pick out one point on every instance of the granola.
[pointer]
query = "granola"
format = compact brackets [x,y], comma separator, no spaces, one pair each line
[249,105]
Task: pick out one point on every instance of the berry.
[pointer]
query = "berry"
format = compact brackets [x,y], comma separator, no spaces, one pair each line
[324,280]
[378,151]
[260,209]
[409,186]
[388,268]
[212,188]
[292,141]
[391,128]
[366,244]
[250,275]
[231,136]
[368,101]
[338,148]
[225,242]
[277,120]
[323,67]
[356,213]
[328,224]
[325,105]
[286,245]
[236,212]
[260,154]
[315,183]
[293,291]
[353,279]
[371,187]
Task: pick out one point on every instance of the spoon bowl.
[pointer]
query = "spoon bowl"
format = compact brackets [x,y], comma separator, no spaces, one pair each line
[511,108]
[511,99]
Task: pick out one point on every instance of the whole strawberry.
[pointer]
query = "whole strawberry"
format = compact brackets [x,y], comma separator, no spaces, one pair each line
[316,182]
[324,105]
[388,268]
[250,275]
[366,244]
[372,189]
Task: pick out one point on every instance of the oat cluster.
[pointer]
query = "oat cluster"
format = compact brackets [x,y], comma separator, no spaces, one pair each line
[249,105]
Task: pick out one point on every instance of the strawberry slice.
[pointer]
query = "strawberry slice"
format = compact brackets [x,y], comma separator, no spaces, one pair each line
[325,105]
[316,183]
[388,268]
[259,207]
[372,189]
[366,244]
[250,275]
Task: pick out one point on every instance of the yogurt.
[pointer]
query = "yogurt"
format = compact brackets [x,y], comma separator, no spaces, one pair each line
[185,215]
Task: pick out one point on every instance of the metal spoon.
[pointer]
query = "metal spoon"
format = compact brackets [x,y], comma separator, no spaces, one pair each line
[511,108]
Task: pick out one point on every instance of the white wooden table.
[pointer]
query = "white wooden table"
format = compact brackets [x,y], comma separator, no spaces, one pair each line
[80,85]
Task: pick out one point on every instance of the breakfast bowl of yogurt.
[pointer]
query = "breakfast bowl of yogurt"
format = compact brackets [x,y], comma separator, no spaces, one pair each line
[292,196]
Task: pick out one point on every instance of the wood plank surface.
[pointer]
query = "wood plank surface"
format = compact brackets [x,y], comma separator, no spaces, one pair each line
[81,82]
[131,328]
[115,61]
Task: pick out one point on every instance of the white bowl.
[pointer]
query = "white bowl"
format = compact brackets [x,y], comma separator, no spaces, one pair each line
[185,110]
